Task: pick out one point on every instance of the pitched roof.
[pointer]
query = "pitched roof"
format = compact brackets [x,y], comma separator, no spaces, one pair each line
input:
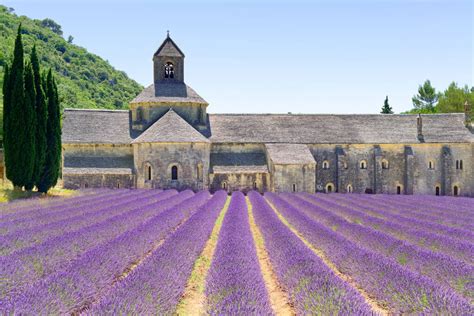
[169,48]
[337,129]
[235,162]
[289,154]
[171,128]
[96,126]
[169,93]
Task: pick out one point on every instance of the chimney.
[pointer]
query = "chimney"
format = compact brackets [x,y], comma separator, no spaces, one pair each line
[419,128]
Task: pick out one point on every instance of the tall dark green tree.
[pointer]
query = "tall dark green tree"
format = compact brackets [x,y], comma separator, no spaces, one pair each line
[386,108]
[50,173]
[426,98]
[6,97]
[41,118]
[30,127]
[18,158]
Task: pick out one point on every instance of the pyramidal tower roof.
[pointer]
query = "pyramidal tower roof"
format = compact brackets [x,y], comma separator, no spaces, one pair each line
[169,48]
[171,128]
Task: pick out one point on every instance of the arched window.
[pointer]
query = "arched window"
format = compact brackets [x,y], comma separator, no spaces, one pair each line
[349,188]
[384,164]
[399,189]
[437,190]
[294,187]
[363,164]
[325,164]
[456,190]
[86,185]
[460,164]
[224,185]
[457,164]
[169,70]
[174,173]
[431,165]
[118,185]
[149,172]
[329,187]
[255,187]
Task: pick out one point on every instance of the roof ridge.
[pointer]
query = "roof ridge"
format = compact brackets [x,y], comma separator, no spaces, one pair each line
[335,114]
[95,110]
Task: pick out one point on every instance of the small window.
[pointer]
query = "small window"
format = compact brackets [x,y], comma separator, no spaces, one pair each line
[399,189]
[86,185]
[294,187]
[363,164]
[431,165]
[437,190]
[169,70]
[329,188]
[118,185]
[384,164]
[174,173]
[455,190]
[149,173]
[349,188]
[457,164]
[460,164]
[255,187]
[224,186]
[325,164]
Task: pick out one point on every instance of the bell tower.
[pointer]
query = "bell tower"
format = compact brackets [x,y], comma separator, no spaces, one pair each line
[168,68]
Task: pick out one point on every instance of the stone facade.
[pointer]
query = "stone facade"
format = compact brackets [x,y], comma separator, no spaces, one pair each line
[168,140]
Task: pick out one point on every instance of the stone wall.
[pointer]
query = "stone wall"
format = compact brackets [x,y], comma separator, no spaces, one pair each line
[294,178]
[239,182]
[83,181]
[189,159]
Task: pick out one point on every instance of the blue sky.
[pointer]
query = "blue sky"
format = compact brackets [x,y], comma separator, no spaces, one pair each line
[281,56]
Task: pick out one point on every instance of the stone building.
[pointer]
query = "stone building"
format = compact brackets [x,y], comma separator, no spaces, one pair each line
[168,140]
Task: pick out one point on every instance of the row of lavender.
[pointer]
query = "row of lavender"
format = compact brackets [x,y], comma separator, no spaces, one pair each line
[22,268]
[360,254]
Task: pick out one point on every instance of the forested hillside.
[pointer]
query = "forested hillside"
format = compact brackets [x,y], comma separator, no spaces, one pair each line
[84,80]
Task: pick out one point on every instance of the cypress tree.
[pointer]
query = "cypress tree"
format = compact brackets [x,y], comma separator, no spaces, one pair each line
[30,128]
[50,173]
[41,118]
[14,119]
[386,109]
[6,101]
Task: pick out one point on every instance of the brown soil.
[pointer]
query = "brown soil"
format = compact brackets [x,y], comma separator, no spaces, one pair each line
[371,301]
[278,297]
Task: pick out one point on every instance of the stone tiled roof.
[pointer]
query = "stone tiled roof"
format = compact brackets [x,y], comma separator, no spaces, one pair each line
[337,129]
[171,128]
[96,126]
[239,169]
[98,162]
[99,171]
[169,93]
[289,154]
[169,48]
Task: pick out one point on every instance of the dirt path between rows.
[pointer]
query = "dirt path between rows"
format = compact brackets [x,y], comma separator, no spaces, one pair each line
[193,301]
[376,307]
[278,297]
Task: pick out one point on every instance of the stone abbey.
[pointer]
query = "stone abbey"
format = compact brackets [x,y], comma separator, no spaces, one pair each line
[168,140]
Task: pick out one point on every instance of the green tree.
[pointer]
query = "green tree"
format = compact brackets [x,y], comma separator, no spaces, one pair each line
[29,147]
[6,98]
[386,108]
[14,139]
[50,172]
[52,25]
[41,118]
[454,98]
[426,98]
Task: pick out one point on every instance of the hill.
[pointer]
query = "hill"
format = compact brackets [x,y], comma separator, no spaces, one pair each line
[84,80]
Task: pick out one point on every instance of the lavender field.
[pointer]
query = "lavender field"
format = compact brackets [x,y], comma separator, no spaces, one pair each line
[143,252]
